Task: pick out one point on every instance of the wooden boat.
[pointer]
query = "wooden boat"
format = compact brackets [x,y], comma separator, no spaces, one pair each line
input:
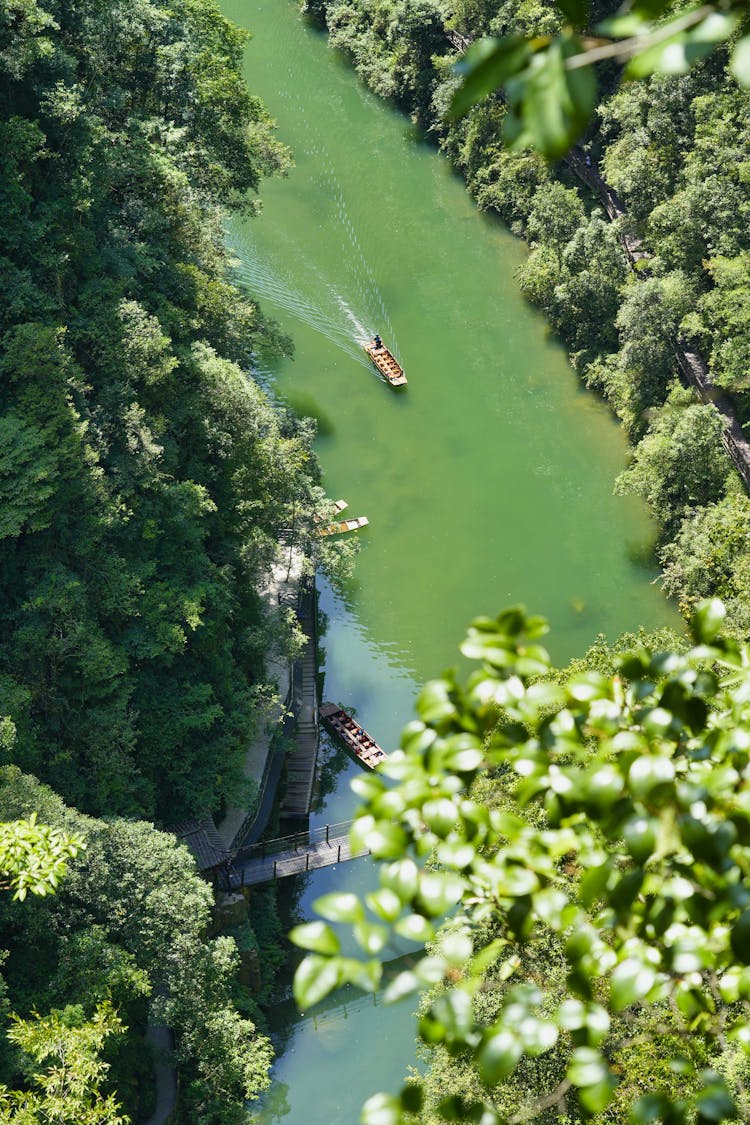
[357,741]
[344,525]
[386,363]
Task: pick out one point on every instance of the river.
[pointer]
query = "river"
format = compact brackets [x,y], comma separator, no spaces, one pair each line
[487,481]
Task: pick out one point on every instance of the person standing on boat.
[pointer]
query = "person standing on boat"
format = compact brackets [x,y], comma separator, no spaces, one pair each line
[377,341]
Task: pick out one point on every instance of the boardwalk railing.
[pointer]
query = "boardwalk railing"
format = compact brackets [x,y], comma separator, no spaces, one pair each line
[291,855]
[297,842]
[257,818]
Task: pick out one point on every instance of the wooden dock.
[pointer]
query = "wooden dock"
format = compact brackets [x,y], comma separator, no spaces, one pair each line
[264,870]
[301,762]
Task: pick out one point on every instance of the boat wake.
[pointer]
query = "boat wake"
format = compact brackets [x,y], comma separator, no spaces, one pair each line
[347,309]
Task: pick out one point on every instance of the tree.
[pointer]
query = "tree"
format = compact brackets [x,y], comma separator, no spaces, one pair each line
[550,80]
[127,923]
[69,1048]
[34,857]
[680,464]
[613,852]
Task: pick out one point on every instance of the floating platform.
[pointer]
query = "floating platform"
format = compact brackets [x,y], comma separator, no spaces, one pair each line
[357,741]
[386,363]
[344,525]
[338,506]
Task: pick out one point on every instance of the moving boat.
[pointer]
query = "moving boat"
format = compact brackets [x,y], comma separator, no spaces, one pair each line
[386,362]
[356,740]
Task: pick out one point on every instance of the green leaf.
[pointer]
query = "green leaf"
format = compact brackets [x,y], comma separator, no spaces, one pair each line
[381,1109]
[385,903]
[405,984]
[434,703]
[596,1098]
[587,1067]
[416,928]
[630,981]
[676,53]
[370,936]
[314,979]
[453,1011]
[339,907]
[498,1056]
[412,1097]
[740,938]
[714,1102]
[739,64]
[707,620]
[555,102]
[639,834]
[365,975]
[651,1108]
[439,891]
[649,772]
[456,948]
[382,838]
[402,877]
[487,64]
[316,936]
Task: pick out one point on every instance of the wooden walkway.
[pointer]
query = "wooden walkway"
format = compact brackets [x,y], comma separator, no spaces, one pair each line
[303,759]
[292,855]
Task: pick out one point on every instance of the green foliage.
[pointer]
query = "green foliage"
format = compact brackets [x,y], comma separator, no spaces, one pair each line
[129,922]
[144,478]
[595,959]
[33,857]
[550,80]
[69,1088]
[680,464]
[711,554]
[723,321]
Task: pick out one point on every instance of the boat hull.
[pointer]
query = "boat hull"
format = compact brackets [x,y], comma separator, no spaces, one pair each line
[387,364]
[356,740]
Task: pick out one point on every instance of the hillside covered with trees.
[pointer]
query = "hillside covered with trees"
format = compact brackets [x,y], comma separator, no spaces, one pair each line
[143,476]
[144,480]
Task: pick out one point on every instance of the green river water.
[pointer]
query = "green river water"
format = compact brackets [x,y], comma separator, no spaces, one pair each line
[487,481]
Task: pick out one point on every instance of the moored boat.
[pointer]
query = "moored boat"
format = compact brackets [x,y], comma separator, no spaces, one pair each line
[386,362]
[357,741]
[341,526]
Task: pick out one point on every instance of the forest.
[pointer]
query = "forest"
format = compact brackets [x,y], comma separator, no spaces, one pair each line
[145,481]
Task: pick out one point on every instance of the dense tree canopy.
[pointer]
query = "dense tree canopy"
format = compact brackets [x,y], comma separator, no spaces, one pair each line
[144,478]
[127,925]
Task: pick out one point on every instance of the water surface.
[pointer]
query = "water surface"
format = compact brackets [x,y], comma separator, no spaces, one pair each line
[487,481]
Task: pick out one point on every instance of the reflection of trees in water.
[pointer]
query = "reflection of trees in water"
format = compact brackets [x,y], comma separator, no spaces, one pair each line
[333,760]
[288,895]
[274,1106]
